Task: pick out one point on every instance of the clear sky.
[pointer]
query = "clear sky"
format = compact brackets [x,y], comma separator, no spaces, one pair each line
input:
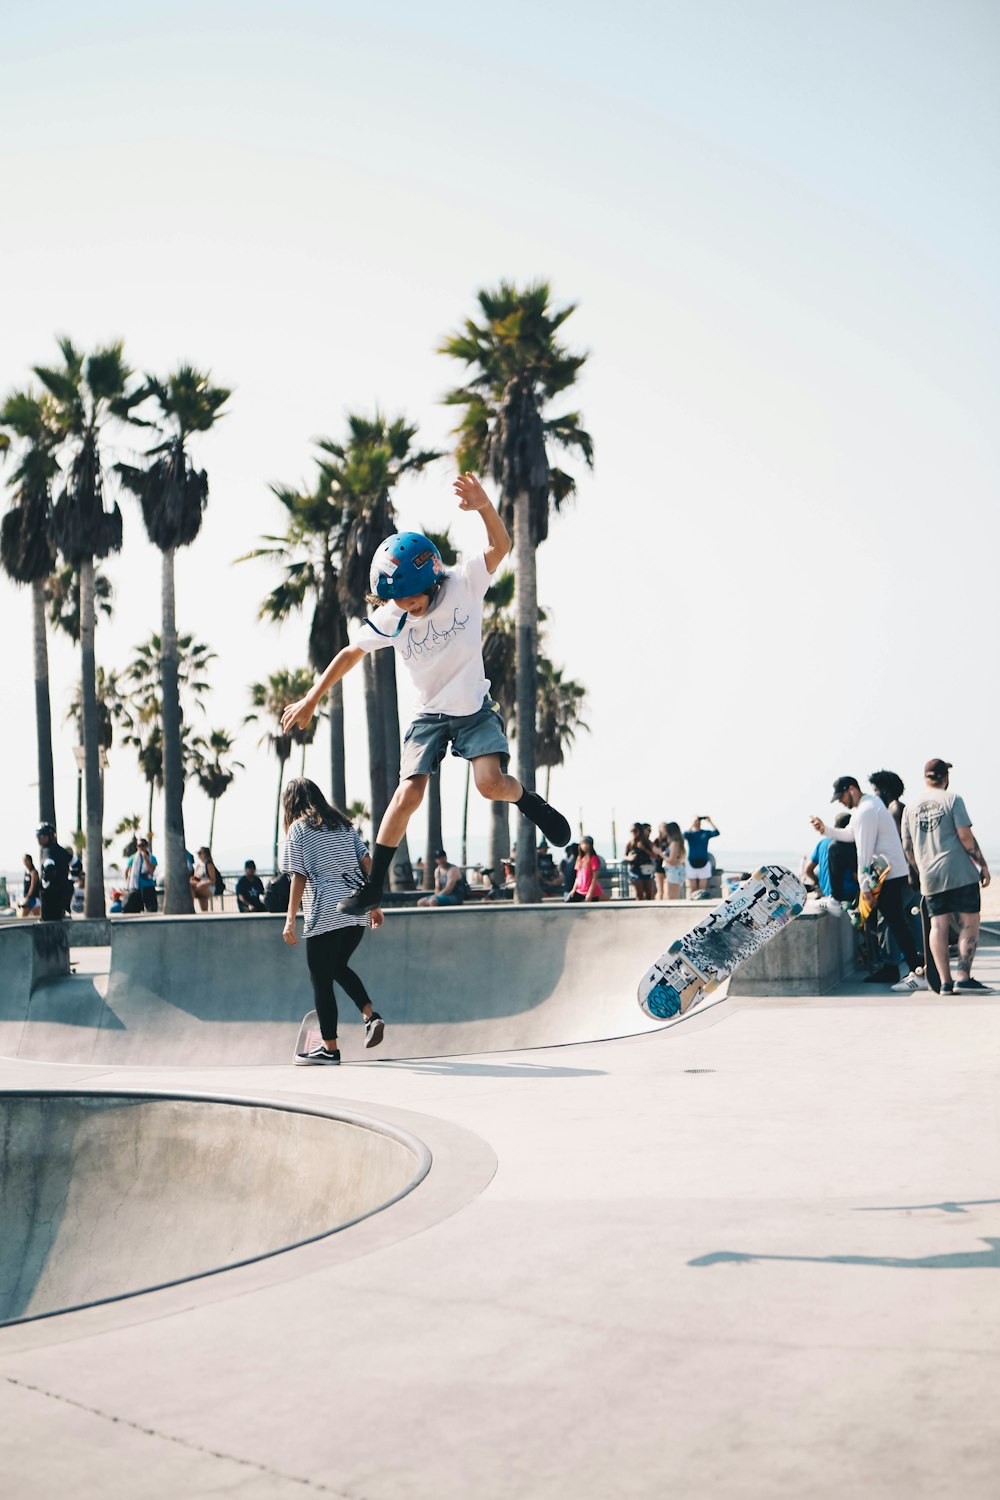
[779,221]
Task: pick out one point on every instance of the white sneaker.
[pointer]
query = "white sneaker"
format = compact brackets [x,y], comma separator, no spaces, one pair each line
[912,982]
[832,905]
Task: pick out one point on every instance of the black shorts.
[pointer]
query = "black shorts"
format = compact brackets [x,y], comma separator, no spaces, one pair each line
[963,899]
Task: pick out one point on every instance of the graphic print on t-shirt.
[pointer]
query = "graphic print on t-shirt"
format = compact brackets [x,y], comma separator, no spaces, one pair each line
[432,639]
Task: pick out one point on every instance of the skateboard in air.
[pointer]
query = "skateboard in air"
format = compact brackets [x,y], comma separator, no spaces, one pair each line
[721,943]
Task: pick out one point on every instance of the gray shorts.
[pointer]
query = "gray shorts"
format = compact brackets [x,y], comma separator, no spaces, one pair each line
[469,735]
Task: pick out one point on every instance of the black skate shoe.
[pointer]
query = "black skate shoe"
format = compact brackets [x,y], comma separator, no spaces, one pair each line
[550,823]
[365,898]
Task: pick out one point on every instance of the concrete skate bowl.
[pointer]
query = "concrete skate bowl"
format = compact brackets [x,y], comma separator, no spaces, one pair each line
[103,1196]
[218,991]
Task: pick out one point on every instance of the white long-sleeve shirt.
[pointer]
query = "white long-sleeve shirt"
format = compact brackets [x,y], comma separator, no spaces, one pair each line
[873,829]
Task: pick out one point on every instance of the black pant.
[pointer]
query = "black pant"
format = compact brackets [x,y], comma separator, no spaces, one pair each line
[327,955]
[895,899]
[142,899]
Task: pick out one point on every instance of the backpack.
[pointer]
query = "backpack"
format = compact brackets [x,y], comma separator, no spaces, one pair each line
[278,894]
[463,889]
[220,884]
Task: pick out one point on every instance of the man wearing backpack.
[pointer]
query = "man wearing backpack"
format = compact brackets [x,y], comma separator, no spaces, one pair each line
[56,882]
[450,885]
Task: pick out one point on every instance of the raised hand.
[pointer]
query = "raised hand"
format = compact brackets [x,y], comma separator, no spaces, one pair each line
[297,715]
[471,495]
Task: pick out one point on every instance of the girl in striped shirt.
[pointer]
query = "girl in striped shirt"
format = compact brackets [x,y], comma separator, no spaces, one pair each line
[326,861]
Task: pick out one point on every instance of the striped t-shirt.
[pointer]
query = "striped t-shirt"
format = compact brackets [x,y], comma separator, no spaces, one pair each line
[324,856]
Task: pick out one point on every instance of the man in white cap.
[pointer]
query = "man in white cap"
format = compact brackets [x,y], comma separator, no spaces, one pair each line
[938,839]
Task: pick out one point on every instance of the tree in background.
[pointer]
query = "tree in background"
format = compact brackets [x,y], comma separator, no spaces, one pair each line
[172,494]
[145,733]
[113,707]
[560,707]
[216,772]
[499,653]
[362,474]
[308,554]
[269,700]
[28,553]
[87,391]
[517,367]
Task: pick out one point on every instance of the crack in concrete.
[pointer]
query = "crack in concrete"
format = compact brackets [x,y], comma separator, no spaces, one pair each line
[166,1437]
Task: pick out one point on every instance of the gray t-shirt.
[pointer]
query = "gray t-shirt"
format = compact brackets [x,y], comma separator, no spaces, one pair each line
[931,825]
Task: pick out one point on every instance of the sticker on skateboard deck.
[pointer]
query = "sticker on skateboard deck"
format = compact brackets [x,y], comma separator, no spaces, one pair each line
[721,943]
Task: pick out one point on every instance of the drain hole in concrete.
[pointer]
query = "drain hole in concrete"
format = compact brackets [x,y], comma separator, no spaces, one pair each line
[699,1070]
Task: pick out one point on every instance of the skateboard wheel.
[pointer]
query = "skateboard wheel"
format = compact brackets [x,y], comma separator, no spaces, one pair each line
[758,874]
[675,946]
[795,908]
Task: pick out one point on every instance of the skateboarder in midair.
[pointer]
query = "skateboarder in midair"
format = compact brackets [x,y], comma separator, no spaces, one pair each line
[432,617]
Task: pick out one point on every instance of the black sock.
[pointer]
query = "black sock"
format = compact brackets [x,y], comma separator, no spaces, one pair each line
[524,801]
[381,860]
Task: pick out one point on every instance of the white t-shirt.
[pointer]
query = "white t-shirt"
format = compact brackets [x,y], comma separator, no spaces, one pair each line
[443,650]
[873,829]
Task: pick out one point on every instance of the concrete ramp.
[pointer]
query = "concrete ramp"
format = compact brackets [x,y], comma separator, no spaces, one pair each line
[226,990]
[102,1196]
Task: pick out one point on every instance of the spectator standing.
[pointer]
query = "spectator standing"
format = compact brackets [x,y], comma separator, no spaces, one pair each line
[448,883]
[31,902]
[674,861]
[699,866]
[250,889]
[204,878]
[56,887]
[873,831]
[140,880]
[587,886]
[641,863]
[938,839]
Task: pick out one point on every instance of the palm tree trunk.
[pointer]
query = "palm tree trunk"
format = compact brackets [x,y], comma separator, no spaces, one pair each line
[376,742]
[526,636]
[79,801]
[338,759]
[401,874]
[277,809]
[548,781]
[177,885]
[94,894]
[43,709]
[434,835]
[211,824]
[149,825]
[499,847]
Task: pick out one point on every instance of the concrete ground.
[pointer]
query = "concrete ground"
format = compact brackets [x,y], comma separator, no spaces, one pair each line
[754,1255]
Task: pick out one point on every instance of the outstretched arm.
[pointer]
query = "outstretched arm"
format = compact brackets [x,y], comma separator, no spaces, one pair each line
[297,715]
[472,496]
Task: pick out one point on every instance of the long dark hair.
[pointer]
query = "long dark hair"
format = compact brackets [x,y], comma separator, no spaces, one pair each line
[303,799]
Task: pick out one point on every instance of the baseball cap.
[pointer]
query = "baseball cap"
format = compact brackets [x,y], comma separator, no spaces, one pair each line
[841,785]
[937,768]
[440,854]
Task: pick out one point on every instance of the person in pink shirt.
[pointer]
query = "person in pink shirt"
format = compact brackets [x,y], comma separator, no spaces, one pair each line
[587,887]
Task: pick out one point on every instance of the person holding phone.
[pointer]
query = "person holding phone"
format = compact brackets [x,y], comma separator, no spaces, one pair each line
[699,865]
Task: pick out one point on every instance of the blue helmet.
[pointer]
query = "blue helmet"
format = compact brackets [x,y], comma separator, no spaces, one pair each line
[404,565]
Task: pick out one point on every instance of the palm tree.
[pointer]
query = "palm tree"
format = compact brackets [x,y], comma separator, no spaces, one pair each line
[173,495]
[113,707]
[145,734]
[560,704]
[308,554]
[216,772]
[28,554]
[270,698]
[62,598]
[517,367]
[86,391]
[362,474]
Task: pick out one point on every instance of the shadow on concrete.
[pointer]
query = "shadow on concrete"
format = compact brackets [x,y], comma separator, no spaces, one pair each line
[442,1066]
[947,1207]
[969,1260]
